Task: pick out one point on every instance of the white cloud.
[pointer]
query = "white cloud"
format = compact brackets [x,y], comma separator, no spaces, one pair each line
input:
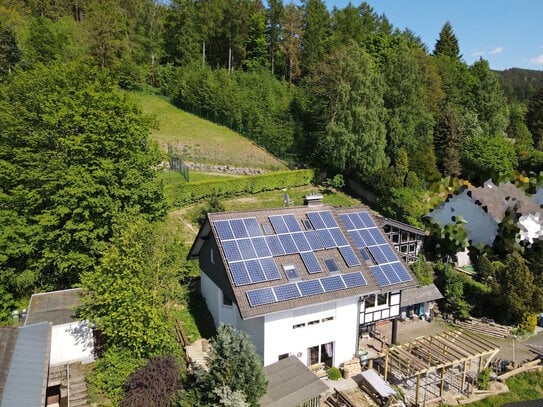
[483,53]
[537,60]
[497,50]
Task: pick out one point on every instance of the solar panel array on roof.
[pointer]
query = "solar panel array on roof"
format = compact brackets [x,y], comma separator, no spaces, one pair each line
[373,246]
[248,252]
[284,292]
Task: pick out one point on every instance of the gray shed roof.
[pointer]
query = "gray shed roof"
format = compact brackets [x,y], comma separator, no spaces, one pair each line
[8,337]
[56,307]
[290,383]
[418,295]
[26,384]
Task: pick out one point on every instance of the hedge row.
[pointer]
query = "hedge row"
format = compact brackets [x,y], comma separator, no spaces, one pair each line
[197,191]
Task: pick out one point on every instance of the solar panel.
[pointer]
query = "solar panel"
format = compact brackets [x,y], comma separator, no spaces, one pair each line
[286,292]
[261,296]
[252,227]
[358,241]
[368,221]
[301,242]
[331,265]
[332,283]
[379,276]
[310,287]
[349,256]
[239,273]
[275,245]
[389,253]
[311,262]
[313,240]
[390,273]
[377,236]
[326,238]
[231,250]
[261,247]
[328,219]
[246,248]
[278,224]
[401,271]
[238,227]
[367,237]
[316,220]
[339,237]
[358,223]
[255,271]
[354,279]
[365,255]
[377,254]
[347,222]
[223,230]
[288,244]
[292,223]
[270,269]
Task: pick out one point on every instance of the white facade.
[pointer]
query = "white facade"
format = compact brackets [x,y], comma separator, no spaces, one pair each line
[480,226]
[309,333]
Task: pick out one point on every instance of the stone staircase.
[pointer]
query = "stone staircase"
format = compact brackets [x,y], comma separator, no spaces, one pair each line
[77,392]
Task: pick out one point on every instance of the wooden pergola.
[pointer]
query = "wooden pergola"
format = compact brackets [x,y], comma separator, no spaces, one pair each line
[438,363]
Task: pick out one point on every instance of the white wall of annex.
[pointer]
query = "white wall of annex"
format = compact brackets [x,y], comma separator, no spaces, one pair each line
[280,337]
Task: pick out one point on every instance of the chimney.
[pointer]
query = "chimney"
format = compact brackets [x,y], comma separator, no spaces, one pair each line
[313,199]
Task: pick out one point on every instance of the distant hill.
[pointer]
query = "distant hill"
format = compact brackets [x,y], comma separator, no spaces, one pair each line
[201,141]
[520,84]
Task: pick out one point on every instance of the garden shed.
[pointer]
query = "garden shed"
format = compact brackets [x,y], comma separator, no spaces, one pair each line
[433,367]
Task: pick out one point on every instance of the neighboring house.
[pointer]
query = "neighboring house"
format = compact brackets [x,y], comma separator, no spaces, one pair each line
[482,209]
[303,281]
[292,384]
[40,360]
[407,240]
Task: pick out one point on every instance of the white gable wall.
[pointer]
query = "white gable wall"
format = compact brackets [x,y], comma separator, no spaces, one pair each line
[480,226]
[293,332]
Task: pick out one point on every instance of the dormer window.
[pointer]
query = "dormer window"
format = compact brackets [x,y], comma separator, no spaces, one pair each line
[291,272]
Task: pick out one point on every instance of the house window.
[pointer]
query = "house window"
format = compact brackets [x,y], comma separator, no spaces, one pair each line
[307,224]
[315,322]
[321,354]
[298,326]
[291,271]
[396,238]
[412,248]
[369,302]
[327,319]
[382,299]
[331,265]
[283,356]
[226,301]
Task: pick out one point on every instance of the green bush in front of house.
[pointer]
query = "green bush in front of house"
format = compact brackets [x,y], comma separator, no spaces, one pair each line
[334,373]
[194,192]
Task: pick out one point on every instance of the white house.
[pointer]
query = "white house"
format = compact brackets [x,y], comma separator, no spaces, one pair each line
[484,208]
[304,281]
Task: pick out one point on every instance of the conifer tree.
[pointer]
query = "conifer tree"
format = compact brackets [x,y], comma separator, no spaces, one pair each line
[447,43]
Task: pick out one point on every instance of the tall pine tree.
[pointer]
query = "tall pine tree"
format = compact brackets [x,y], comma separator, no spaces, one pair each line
[447,43]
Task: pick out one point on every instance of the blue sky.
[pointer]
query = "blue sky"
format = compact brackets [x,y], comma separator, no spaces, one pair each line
[508,34]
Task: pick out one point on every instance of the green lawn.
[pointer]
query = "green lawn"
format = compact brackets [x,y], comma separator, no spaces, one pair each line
[202,141]
[525,386]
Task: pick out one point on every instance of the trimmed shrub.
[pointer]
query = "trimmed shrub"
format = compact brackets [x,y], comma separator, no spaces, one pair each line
[334,373]
[194,192]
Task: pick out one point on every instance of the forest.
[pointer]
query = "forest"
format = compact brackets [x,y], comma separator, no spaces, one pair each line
[341,90]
